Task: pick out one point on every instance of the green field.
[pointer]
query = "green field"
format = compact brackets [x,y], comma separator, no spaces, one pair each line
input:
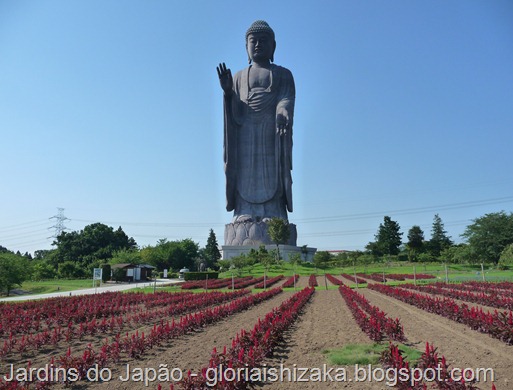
[54,285]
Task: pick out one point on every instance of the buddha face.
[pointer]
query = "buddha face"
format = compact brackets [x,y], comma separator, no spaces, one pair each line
[260,47]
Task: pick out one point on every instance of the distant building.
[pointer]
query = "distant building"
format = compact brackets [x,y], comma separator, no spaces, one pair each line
[127,272]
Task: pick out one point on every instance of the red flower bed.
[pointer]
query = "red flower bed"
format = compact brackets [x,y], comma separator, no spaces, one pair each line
[217,283]
[35,316]
[502,289]
[312,281]
[375,277]
[334,280]
[352,278]
[419,276]
[290,281]
[401,277]
[137,344]
[376,324]
[430,362]
[269,282]
[248,349]
[176,304]
[481,298]
[497,324]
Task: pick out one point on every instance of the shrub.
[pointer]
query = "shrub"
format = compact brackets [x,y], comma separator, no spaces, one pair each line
[200,275]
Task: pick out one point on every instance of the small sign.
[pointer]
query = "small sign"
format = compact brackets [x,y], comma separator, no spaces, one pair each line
[97,274]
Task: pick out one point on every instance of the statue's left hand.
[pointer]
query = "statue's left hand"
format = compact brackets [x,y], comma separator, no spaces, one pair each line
[282,122]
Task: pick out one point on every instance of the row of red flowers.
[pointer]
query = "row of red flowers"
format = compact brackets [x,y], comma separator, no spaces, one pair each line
[312,281]
[334,280]
[497,324]
[401,277]
[30,343]
[35,316]
[136,344]
[221,283]
[430,362]
[354,279]
[374,322]
[480,298]
[291,281]
[269,282]
[248,349]
[502,289]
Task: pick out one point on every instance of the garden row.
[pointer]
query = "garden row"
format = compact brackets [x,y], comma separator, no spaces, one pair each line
[432,368]
[374,322]
[498,324]
[211,284]
[382,278]
[232,368]
[503,289]
[481,298]
[137,344]
[30,343]
[31,316]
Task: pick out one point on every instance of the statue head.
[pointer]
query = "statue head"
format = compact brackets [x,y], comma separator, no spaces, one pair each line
[260,33]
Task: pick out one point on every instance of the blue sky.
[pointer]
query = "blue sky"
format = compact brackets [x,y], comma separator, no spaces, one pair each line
[112,110]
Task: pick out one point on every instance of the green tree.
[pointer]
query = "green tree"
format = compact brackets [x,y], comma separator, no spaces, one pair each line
[415,241]
[211,253]
[239,263]
[89,247]
[506,259]
[489,235]
[42,270]
[322,259]
[126,256]
[14,270]
[388,238]
[106,272]
[171,254]
[70,270]
[374,249]
[279,232]
[458,254]
[224,265]
[439,238]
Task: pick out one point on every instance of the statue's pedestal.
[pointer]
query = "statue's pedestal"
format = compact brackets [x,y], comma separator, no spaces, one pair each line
[240,238]
[253,233]
[286,251]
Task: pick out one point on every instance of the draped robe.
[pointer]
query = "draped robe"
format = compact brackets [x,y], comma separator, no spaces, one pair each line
[258,161]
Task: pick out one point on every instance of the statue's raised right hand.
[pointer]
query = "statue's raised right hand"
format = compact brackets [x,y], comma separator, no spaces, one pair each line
[225,78]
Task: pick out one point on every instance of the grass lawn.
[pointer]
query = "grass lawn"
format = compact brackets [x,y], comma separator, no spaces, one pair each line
[366,354]
[54,285]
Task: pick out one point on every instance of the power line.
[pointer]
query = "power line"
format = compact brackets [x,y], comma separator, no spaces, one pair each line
[25,225]
[416,210]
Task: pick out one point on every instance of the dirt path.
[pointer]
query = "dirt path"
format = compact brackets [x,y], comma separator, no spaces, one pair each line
[325,324]
[462,346]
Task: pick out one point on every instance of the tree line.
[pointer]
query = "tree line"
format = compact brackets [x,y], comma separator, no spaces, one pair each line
[77,253]
[487,240]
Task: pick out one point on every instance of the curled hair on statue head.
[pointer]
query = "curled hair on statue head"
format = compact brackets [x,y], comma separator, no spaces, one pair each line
[260,26]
